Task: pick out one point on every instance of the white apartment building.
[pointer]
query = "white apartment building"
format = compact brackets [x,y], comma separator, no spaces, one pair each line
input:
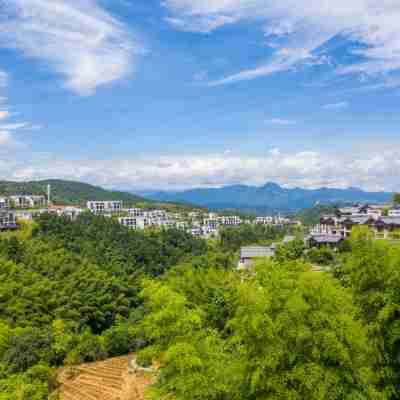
[70,212]
[134,222]
[101,207]
[211,223]
[4,203]
[395,212]
[135,212]
[181,225]
[265,220]
[27,201]
[7,220]
[232,220]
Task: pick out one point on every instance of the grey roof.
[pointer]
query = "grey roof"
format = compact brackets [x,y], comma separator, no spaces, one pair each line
[288,239]
[256,251]
[390,220]
[359,220]
[326,238]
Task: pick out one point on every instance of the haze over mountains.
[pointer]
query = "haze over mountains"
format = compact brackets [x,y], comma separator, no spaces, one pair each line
[269,198]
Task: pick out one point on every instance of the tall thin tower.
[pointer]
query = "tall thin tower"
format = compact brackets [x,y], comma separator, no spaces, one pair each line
[48,194]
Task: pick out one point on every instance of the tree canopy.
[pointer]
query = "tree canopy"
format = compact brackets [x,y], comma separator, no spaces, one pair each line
[284,333]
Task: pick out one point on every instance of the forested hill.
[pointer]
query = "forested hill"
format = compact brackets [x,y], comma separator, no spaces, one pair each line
[68,192]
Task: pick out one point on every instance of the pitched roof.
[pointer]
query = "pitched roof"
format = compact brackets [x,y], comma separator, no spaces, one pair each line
[256,251]
[391,220]
[326,238]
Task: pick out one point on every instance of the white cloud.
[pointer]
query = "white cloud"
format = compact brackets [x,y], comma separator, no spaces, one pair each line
[298,30]
[4,114]
[336,106]
[309,169]
[78,39]
[8,129]
[6,140]
[281,121]
[3,80]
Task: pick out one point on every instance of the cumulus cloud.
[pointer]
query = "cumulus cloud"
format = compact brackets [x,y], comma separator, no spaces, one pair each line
[298,30]
[309,169]
[78,39]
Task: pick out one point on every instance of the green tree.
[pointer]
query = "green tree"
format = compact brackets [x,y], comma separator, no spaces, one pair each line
[372,271]
[290,334]
[290,251]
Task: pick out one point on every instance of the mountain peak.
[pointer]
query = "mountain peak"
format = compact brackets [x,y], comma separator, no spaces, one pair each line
[272,187]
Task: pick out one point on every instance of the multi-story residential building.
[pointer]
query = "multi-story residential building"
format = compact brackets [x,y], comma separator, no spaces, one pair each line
[135,212]
[265,220]
[27,201]
[394,212]
[231,220]
[70,212]
[134,222]
[103,207]
[360,210]
[276,221]
[4,203]
[211,223]
[8,220]
[181,225]
[331,225]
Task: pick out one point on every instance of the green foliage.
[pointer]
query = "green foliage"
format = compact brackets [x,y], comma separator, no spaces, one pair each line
[372,270]
[288,333]
[321,256]
[118,249]
[232,238]
[120,339]
[312,216]
[37,383]
[396,198]
[69,294]
[290,251]
[89,348]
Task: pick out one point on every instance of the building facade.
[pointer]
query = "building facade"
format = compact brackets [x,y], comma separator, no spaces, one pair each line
[27,201]
[104,207]
[7,220]
[4,203]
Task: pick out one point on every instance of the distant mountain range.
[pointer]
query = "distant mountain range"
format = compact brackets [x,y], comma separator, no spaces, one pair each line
[269,198]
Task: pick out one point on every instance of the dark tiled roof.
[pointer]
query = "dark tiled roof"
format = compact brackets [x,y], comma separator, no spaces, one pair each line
[326,238]
[391,220]
[256,251]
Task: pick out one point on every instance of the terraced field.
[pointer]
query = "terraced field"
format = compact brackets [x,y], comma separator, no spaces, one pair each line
[111,379]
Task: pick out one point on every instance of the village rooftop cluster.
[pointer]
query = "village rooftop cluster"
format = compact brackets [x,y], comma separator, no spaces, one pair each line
[383,220]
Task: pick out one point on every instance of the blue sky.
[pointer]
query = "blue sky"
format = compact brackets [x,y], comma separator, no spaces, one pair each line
[172,94]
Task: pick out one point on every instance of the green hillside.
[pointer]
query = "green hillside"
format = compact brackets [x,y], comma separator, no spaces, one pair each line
[68,192]
[311,216]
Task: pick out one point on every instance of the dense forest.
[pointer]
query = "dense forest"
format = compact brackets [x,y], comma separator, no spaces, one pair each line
[79,291]
[69,293]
